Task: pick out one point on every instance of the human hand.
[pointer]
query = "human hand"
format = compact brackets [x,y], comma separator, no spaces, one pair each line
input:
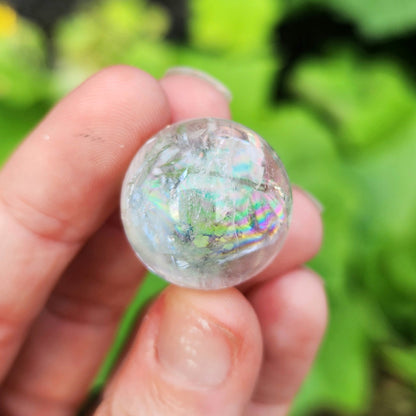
[68,273]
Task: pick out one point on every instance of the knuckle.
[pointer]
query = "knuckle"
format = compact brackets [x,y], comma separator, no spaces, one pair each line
[35,220]
[89,311]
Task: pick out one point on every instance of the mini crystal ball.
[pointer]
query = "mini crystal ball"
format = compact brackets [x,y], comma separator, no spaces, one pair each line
[206,203]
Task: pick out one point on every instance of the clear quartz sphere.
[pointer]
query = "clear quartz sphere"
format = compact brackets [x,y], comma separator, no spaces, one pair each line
[206,203]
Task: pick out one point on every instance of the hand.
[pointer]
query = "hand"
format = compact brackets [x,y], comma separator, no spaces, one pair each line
[67,273]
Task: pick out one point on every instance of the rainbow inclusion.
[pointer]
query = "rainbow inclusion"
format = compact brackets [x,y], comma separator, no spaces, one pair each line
[206,203]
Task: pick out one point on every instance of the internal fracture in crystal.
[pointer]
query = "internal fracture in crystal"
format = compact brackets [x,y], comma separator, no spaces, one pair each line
[206,203]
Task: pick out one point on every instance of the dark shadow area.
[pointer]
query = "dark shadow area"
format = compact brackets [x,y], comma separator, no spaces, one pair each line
[179,14]
[310,31]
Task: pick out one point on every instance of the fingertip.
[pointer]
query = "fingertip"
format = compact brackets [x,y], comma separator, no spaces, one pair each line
[204,76]
[229,307]
[297,298]
[192,96]
[117,93]
[195,350]
[292,311]
[204,335]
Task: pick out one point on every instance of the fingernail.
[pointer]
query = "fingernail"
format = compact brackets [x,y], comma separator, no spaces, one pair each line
[192,347]
[315,201]
[218,85]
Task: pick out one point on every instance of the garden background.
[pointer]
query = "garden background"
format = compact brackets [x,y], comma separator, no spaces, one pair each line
[331,85]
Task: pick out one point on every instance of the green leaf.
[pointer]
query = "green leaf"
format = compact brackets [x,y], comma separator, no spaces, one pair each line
[368,102]
[401,270]
[16,122]
[401,361]
[388,175]
[233,26]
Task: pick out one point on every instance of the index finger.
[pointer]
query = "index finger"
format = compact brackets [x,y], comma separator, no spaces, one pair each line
[62,183]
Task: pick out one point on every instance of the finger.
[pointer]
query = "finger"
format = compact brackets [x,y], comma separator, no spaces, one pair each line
[194,94]
[62,183]
[85,307]
[77,325]
[292,312]
[197,353]
[305,233]
[303,240]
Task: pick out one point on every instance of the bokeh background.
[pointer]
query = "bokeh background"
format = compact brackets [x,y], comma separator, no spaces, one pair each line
[331,85]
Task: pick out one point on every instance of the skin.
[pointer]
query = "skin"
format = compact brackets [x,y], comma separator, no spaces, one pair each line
[67,274]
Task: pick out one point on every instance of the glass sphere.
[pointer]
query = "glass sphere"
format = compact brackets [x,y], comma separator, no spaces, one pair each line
[206,203]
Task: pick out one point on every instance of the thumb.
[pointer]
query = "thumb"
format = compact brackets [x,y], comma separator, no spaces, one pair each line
[197,353]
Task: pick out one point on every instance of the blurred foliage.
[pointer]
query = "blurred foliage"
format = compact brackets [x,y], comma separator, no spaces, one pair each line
[7,20]
[374,18]
[233,26]
[346,132]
